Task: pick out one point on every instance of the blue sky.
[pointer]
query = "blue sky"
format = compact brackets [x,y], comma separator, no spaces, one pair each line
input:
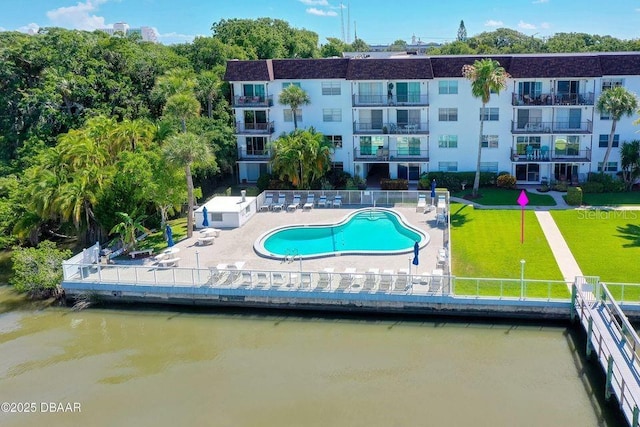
[376,21]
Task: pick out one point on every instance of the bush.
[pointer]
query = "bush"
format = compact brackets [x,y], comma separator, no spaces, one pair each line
[610,184]
[38,271]
[574,196]
[394,184]
[338,179]
[263,182]
[506,181]
[592,187]
[356,183]
[560,186]
[453,180]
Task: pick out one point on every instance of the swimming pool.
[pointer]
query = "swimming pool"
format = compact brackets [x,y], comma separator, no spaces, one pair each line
[365,231]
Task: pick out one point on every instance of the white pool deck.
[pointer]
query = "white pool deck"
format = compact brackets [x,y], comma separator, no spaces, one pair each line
[235,246]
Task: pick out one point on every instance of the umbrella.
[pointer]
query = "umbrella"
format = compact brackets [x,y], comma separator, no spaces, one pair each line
[416,249]
[169,236]
[205,217]
[433,190]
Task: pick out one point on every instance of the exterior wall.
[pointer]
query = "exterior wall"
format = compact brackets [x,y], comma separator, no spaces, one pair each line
[432,156]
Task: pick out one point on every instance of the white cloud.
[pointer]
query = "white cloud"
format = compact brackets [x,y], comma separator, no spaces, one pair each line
[315,2]
[526,26]
[545,25]
[540,1]
[318,12]
[31,28]
[493,23]
[173,37]
[78,17]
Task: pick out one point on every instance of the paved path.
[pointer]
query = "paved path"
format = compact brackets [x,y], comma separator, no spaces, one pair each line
[564,258]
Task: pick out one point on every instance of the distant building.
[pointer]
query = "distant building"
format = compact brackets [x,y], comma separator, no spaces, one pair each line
[147,34]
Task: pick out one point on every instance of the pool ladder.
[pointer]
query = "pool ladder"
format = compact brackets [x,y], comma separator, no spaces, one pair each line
[290,256]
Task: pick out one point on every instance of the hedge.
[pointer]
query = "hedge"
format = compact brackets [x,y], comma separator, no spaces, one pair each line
[453,180]
[394,184]
[574,196]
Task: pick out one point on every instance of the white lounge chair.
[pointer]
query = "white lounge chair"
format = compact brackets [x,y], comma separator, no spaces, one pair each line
[324,280]
[401,281]
[370,279]
[305,280]
[278,279]
[268,201]
[337,201]
[279,205]
[295,203]
[309,203]
[386,278]
[422,203]
[346,279]
[262,279]
[246,278]
[322,201]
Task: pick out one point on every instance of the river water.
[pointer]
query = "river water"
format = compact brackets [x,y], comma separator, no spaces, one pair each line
[172,367]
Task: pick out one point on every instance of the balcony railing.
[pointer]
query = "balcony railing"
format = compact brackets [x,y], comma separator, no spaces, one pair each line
[367,128]
[518,99]
[251,154]
[564,127]
[393,100]
[549,154]
[253,101]
[255,128]
[386,155]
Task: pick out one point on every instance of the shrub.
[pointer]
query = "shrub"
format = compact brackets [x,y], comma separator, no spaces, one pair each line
[356,183]
[574,196]
[592,187]
[338,179]
[506,181]
[453,180]
[394,184]
[610,184]
[38,271]
[560,186]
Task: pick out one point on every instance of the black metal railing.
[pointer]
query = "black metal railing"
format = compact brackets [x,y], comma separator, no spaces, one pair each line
[386,155]
[568,127]
[393,100]
[391,128]
[255,128]
[253,101]
[547,154]
[524,99]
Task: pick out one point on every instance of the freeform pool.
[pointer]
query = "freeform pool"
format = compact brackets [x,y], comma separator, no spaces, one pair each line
[365,231]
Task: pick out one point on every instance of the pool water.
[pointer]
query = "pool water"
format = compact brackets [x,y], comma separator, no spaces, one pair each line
[366,231]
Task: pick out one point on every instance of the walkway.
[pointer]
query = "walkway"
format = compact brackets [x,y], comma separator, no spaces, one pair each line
[561,252]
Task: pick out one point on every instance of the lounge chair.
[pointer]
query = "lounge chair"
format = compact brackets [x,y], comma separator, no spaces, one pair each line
[278,279]
[262,279]
[309,203]
[441,218]
[346,279]
[324,280]
[246,278]
[401,281]
[279,205]
[370,279]
[337,201]
[268,201]
[295,203]
[322,201]
[422,203]
[385,280]
[305,280]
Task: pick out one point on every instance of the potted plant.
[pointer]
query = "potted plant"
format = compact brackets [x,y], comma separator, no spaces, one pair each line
[385,130]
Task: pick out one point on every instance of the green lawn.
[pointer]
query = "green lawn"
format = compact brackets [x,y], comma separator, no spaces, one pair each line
[504,197]
[156,240]
[486,243]
[612,199]
[605,244]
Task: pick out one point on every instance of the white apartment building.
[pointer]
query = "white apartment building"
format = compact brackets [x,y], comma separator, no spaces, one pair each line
[401,117]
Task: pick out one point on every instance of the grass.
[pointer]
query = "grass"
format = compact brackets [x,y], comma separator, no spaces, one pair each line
[486,243]
[612,199]
[605,243]
[156,240]
[505,197]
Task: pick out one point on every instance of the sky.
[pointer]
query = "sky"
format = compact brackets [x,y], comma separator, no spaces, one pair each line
[374,21]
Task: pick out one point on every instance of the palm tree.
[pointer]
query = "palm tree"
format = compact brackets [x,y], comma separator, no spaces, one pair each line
[616,102]
[486,76]
[127,228]
[186,149]
[294,97]
[132,133]
[301,157]
[208,86]
[182,106]
[630,162]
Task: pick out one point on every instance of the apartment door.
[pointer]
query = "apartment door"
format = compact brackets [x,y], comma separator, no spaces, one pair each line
[528,172]
[409,171]
[565,171]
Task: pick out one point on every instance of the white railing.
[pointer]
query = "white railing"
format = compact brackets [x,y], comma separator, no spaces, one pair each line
[360,197]
[482,287]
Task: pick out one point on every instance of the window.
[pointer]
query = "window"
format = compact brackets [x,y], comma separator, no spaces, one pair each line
[490,114]
[523,141]
[216,216]
[448,87]
[611,83]
[256,145]
[331,114]
[448,166]
[335,140]
[448,114]
[611,167]
[489,141]
[408,146]
[337,166]
[448,141]
[369,145]
[287,84]
[603,141]
[331,88]
[605,115]
[488,166]
[252,90]
[288,117]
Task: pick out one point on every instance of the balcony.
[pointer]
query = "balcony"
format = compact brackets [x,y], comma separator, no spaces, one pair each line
[255,128]
[530,154]
[368,128]
[394,100]
[253,154]
[374,155]
[253,101]
[564,127]
[527,100]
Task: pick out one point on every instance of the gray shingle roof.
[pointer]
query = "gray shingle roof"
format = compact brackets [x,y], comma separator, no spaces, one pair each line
[523,67]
